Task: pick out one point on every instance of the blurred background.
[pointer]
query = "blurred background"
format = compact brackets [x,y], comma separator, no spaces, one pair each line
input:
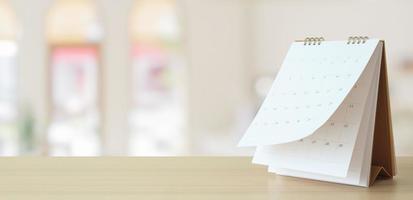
[169,77]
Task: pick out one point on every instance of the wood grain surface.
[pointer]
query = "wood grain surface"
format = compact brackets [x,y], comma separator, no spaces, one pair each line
[177,178]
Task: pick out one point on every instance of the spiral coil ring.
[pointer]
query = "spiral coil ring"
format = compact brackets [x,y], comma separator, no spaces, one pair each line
[357,39]
[313,40]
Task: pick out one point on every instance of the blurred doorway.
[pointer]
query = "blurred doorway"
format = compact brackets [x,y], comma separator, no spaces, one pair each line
[158,118]
[74,41]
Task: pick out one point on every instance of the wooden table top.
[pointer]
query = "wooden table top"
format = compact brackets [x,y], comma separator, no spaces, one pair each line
[177,178]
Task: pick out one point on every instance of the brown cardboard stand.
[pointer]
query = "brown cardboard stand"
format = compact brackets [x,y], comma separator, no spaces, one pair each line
[383,164]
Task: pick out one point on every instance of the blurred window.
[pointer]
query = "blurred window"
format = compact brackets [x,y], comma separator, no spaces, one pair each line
[8,79]
[158,117]
[74,32]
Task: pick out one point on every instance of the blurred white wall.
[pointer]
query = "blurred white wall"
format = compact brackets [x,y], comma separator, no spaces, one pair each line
[32,61]
[228,45]
[278,22]
[116,76]
[216,35]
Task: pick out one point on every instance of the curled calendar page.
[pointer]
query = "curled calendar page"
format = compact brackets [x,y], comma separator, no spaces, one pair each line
[329,150]
[313,82]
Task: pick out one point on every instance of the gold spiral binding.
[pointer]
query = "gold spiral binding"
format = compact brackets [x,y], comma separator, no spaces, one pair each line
[312,40]
[357,39]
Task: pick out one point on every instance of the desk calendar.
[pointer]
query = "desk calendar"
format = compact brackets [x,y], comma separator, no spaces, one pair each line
[327,114]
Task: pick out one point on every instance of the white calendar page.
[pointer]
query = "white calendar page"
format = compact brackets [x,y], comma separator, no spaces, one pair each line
[359,169]
[311,85]
[338,148]
[329,150]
